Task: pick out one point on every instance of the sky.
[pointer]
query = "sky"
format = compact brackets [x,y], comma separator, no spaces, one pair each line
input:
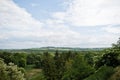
[59,23]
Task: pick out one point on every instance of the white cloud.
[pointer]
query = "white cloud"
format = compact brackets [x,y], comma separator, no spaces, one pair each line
[59,15]
[19,29]
[112,29]
[15,17]
[19,26]
[92,12]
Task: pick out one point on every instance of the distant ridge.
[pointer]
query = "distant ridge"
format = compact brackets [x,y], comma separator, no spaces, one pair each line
[51,49]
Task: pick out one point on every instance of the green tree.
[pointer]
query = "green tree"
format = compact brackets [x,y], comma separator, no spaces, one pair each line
[103,73]
[19,59]
[117,45]
[78,70]
[109,59]
[10,72]
[38,61]
[48,67]
[7,56]
[111,56]
[59,65]
[89,58]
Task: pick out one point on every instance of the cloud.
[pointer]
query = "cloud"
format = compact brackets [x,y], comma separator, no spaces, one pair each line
[91,12]
[19,29]
[112,29]
[17,26]
[14,17]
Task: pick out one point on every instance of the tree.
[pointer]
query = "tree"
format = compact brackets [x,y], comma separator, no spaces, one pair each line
[103,73]
[59,65]
[10,72]
[89,58]
[19,59]
[38,61]
[117,45]
[8,57]
[78,70]
[109,59]
[111,56]
[48,67]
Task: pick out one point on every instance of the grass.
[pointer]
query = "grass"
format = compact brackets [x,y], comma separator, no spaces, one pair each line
[33,73]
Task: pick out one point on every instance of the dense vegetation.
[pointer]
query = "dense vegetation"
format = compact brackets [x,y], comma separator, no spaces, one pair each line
[61,65]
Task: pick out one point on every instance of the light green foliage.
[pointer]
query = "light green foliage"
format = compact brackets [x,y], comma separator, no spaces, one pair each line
[10,72]
[39,76]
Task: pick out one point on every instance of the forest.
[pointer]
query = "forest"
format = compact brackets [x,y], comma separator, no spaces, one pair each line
[103,64]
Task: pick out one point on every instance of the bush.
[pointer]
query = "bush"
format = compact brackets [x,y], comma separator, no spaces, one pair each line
[10,72]
[103,73]
[116,75]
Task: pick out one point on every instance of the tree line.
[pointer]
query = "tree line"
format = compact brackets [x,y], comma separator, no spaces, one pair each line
[71,65]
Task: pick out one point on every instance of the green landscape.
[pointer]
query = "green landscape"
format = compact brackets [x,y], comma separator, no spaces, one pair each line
[59,39]
[60,63]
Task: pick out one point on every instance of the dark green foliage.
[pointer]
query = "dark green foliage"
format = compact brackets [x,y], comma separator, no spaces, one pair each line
[102,73]
[8,57]
[54,66]
[89,58]
[59,65]
[48,67]
[35,59]
[79,69]
[19,59]
[38,61]
[116,75]
[31,59]
[109,59]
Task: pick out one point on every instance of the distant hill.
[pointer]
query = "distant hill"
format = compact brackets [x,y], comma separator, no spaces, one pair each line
[51,49]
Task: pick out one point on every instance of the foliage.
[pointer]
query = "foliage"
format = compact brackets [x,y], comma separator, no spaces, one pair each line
[48,67]
[117,45]
[38,76]
[78,70]
[109,59]
[61,65]
[116,75]
[10,72]
[17,58]
[111,56]
[54,65]
[102,73]
[89,58]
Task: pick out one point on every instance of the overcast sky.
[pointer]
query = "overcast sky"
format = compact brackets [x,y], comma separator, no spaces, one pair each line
[60,23]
